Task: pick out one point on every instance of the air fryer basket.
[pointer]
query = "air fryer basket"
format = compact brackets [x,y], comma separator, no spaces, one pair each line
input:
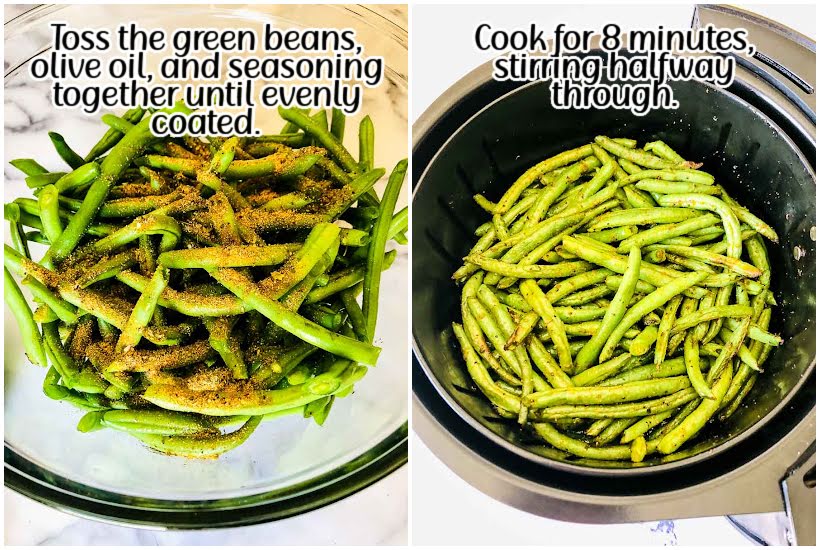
[748,154]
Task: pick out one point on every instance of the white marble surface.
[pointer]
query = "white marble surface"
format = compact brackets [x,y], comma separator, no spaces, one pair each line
[108,458]
[448,511]
[445,509]
[375,516]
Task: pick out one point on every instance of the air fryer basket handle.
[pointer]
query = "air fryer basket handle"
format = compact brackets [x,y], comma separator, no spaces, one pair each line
[799,494]
[784,61]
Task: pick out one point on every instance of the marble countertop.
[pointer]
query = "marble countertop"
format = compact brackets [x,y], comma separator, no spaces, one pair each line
[383,504]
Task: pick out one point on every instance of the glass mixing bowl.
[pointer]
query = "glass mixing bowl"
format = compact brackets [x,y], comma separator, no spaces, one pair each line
[289,465]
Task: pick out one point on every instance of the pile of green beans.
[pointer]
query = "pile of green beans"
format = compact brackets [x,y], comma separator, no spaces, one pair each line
[192,288]
[617,301]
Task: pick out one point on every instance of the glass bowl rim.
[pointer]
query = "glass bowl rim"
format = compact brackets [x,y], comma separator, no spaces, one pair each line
[376,463]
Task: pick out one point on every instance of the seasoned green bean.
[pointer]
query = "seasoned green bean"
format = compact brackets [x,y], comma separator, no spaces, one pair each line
[242,305]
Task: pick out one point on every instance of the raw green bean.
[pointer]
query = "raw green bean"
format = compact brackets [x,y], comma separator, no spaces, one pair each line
[29,167]
[32,340]
[66,153]
[375,254]
[367,141]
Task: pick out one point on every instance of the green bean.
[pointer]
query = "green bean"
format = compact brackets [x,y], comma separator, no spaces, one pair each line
[738,266]
[666,187]
[529,271]
[375,254]
[50,213]
[19,240]
[693,423]
[549,194]
[759,258]
[631,391]
[730,348]
[66,153]
[625,410]
[662,232]
[747,217]
[481,377]
[165,226]
[29,167]
[62,309]
[596,374]
[746,371]
[539,303]
[556,377]
[642,216]
[484,204]
[690,320]
[155,422]
[572,284]
[227,256]
[612,235]
[493,332]
[41,180]
[670,312]
[602,175]
[705,202]
[239,398]
[195,446]
[639,449]
[733,405]
[345,279]
[337,124]
[612,431]
[639,157]
[579,448]
[598,426]
[523,329]
[367,141]
[670,367]
[637,198]
[644,341]
[615,312]
[613,282]
[528,178]
[691,358]
[652,301]
[143,311]
[323,136]
[643,425]
[308,331]
[360,185]
[32,340]
[508,217]
[664,151]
